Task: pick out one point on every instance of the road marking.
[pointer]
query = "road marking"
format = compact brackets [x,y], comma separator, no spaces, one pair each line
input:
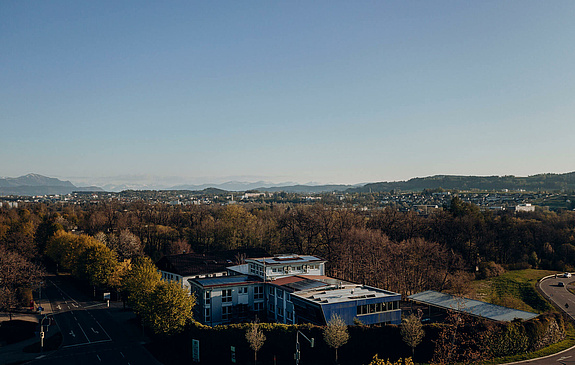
[564,358]
[72,333]
[121,353]
[85,343]
[99,324]
[93,330]
[75,305]
[98,356]
[58,306]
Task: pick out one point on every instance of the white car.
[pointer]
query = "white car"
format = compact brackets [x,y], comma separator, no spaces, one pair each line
[567,275]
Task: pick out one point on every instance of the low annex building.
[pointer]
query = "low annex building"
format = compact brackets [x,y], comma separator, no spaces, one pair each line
[287,289]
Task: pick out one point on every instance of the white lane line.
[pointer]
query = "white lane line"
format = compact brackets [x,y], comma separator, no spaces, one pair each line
[72,333]
[85,343]
[121,353]
[93,330]
[85,335]
[63,292]
[98,356]
[102,327]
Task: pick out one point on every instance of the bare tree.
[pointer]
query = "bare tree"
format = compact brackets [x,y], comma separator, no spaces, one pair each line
[335,333]
[16,273]
[256,339]
[412,332]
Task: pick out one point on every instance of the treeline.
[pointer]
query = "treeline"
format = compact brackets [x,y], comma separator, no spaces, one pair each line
[164,307]
[541,182]
[21,270]
[399,251]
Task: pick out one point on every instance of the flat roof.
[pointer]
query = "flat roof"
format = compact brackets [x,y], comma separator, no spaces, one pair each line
[286,259]
[343,293]
[471,306]
[227,280]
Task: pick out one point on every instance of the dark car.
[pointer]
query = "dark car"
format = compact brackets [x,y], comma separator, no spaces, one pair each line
[560,283]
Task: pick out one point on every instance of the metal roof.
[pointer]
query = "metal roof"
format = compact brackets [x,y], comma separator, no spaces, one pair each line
[343,293]
[471,306]
[286,259]
[227,280]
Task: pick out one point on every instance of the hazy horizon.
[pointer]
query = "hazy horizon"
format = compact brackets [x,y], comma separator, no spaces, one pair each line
[327,91]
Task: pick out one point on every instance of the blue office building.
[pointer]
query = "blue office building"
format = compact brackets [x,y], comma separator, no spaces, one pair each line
[350,301]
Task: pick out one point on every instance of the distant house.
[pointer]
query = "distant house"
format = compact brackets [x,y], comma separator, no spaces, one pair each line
[524,208]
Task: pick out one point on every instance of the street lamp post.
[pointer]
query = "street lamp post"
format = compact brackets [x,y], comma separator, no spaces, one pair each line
[297,347]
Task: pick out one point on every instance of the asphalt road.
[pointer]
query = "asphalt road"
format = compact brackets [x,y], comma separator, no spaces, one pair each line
[90,333]
[560,296]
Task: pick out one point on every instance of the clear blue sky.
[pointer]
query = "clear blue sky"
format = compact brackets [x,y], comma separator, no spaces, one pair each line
[324,91]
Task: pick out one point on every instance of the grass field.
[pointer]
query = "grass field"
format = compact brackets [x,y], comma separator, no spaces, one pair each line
[517,289]
[514,289]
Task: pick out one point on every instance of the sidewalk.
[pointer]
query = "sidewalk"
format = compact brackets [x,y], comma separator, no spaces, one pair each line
[14,353]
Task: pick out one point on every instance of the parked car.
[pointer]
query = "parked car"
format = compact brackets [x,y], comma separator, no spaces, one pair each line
[560,283]
[567,275]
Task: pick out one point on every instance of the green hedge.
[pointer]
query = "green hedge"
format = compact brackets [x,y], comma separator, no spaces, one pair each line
[365,341]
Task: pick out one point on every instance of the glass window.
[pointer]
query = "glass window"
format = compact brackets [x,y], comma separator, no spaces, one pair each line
[226,295]
[226,313]
[259,292]
[280,293]
[207,297]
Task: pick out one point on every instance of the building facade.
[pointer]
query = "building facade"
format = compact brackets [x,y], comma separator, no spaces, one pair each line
[287,289]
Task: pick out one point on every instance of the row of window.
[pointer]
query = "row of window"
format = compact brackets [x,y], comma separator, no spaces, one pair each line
[299,268]
[256,269]
[227,311]
[259,270]
[227,294]
[377,307]
[277,292]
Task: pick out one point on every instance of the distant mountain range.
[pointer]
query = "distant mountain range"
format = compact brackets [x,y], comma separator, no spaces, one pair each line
[34,184]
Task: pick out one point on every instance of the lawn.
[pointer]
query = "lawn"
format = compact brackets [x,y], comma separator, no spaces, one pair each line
[514,289]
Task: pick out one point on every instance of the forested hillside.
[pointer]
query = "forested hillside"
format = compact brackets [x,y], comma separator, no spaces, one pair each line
[541,182]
